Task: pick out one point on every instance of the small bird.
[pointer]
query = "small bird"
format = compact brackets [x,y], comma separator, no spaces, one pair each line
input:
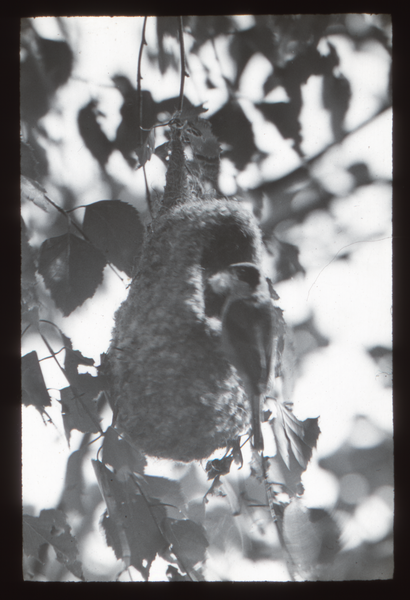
[248,330]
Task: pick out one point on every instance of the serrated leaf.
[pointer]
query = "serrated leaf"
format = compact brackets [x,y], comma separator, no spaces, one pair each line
[79,407]
[33,384]
[132,525]
[51,527]
[120,453]
[188,539]
[294,438]
[299,533]
[72,270]
[115,228]
[32,191]
[312,536]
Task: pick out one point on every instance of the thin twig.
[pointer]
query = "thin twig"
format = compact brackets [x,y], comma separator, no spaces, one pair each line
[139,79]
[183,73]
[51,323]
[148,193]
[28,327]
[277,517]
[51,356]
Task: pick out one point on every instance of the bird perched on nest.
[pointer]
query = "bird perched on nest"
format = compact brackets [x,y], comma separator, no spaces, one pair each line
[194,341]
[248,330]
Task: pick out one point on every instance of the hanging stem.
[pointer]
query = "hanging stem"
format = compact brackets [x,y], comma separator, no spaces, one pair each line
[183,72]
[277,518]
[147,193]
[139,95]
[139,79]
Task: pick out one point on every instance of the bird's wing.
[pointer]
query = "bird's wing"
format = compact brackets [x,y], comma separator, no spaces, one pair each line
[249,326]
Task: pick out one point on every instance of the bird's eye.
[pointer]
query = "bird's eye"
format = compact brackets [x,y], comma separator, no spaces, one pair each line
[248,274]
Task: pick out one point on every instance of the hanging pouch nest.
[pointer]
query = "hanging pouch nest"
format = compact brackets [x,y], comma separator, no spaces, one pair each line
[173,390]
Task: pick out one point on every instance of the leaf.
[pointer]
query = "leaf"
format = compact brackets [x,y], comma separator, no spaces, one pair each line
[129,136]
[72,270]
[94,138]
[33,384]
[294,438]
[188,541]
[191,113]
[170,105]
[28,268]
[131,525]
[336,95]
[231,126]
[287,265]
[167,490]
[245,44]
[74,485]
[28,161]
[163,151]
[285,116]
[29,300]
[205,144]
[118,452]
[32,191]
[79,406]
[308,338]
[115,228]
[218,467]
[174,575]
[51,527]
[205,27]
[299,535]
[165,26]
[311,536]
[144,152]
[73,358]
[45,65]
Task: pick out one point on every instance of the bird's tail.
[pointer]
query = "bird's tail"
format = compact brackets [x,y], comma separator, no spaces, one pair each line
[256,422]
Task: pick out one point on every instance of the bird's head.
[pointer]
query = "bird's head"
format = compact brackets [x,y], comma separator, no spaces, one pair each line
[239,278]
